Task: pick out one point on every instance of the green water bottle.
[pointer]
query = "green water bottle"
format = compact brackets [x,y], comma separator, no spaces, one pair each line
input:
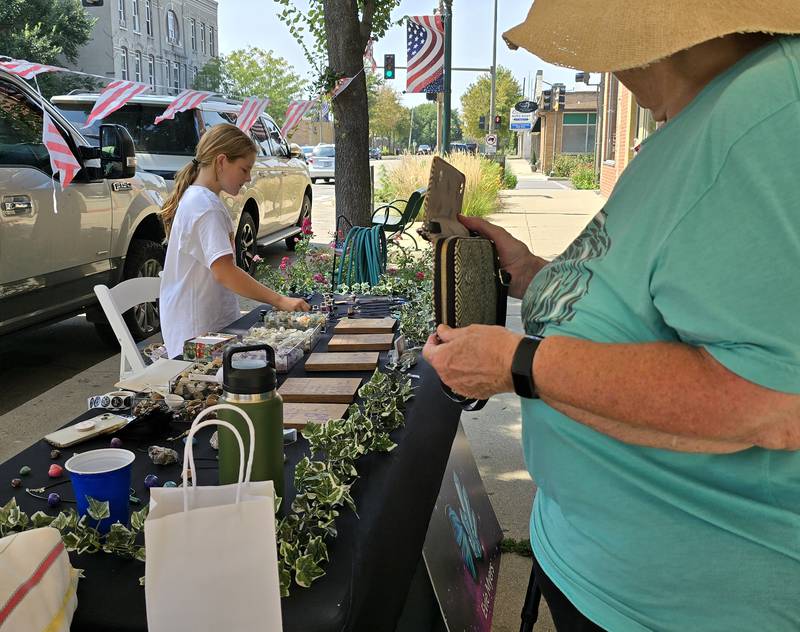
[250,384]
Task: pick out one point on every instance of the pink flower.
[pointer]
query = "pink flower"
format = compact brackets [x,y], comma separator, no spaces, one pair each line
[332,244]
[391,270]
[318,278]
[284,264]
[420,276]
[296,240]
[306,226]
[257,259]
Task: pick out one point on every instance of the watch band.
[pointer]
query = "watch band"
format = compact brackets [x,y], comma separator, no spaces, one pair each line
[522,367]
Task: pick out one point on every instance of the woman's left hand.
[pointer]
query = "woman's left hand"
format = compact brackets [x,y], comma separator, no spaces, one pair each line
[473,361]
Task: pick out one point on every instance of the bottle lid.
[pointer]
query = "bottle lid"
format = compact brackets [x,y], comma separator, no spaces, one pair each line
[246,375]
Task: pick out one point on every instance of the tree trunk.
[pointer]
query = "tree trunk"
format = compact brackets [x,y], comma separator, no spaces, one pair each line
[351,115]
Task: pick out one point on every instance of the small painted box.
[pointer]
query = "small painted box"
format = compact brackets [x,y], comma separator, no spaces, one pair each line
[208,347]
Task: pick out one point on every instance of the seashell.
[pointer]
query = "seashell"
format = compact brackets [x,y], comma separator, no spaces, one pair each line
[162,456]
[212,400]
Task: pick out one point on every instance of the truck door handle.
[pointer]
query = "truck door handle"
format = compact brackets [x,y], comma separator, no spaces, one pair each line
[14,205]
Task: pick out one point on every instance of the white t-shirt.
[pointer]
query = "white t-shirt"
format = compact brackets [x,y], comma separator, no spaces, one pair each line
[192,302]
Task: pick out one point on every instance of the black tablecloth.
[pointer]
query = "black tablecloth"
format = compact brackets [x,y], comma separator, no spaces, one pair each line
[372,560]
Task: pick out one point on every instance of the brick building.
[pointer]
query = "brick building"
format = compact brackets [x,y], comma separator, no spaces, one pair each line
[568,131]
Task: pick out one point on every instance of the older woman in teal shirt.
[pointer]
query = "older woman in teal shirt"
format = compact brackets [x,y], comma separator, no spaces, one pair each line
[665,428]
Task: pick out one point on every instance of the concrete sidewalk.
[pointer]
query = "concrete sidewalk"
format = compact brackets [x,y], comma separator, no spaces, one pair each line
[547,216]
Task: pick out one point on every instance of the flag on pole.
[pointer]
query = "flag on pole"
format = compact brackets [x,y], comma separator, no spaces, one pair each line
[186,100]
[295,112]
[26,69]
[425,43]
[113,97]
[251,110]
[370,56]
[61,158]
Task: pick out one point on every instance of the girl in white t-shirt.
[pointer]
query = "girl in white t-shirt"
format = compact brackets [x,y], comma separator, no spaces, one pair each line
[201,282]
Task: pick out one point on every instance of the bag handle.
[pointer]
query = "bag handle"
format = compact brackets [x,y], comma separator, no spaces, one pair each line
[188,452]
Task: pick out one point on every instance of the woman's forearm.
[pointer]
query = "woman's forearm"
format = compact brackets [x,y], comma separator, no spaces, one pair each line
[523,276]
[669,388]
[227,273]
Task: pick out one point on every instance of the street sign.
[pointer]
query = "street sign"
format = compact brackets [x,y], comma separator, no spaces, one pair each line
[520,121]
[491,139]
[526,106]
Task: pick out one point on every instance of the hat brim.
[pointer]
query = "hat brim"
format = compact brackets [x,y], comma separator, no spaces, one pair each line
[614,35]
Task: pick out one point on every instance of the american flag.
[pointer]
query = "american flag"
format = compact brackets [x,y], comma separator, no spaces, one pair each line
[26,69]
[425,40]
[113,97]
[61,158]
[341,85]
[324,111]
[369,55]
[294,114]
[251,110]
[186,100]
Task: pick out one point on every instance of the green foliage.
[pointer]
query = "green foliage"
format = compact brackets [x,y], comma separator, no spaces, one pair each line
[253,72]
[566,164]
[585,178]
[509,180]
[475,103]
[520,547]
[309,271]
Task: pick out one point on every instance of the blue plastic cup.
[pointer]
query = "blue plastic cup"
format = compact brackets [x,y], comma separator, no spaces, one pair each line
[104,475]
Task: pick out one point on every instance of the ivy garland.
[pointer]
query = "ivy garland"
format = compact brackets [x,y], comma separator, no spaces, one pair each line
[323,486]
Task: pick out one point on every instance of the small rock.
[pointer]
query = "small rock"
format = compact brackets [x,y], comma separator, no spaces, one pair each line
[151,480]
[214,440]
[16,482]
[54,454]
[170,484]
[162,456]
[24,470]
[55,470]
[116,442]
[53,499]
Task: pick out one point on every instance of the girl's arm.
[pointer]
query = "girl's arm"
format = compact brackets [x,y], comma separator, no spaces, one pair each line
[227,273]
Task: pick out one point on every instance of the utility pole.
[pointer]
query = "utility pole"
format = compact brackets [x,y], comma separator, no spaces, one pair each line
[410,129]
[494,70]
[448,71]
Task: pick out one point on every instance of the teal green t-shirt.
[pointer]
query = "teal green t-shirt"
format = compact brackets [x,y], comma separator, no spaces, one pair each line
[699,243]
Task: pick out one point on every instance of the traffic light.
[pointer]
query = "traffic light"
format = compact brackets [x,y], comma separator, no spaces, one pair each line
[547,100]
[498,120]
[388,66]
[482,122]
[562,97]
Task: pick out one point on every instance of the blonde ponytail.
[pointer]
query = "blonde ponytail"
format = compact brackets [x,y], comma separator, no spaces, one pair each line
[224,139]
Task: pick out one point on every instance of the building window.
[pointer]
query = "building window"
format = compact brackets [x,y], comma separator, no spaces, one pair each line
[645,125]
[124,65]
[135,15]
[165,76]
[203,36]
[211,40]
[151,71]
[185,76]
[121,10]
[194,75]
[610,149]
[176,72]
[148,17]
[137,67]
[578,133]
[173,34]
[194,33]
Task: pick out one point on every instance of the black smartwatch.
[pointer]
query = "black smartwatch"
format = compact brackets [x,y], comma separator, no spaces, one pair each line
[522,367]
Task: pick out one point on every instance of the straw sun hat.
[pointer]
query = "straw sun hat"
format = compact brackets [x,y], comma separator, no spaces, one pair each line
[609,35]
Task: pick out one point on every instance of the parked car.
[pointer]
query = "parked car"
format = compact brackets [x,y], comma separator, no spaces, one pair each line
[268,209]
[423,149]
[322,163]
[472,147]
[55,245]
[307,151]
[375,153]
[458,147]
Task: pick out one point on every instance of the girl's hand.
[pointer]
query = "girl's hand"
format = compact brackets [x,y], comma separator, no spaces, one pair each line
[289,304]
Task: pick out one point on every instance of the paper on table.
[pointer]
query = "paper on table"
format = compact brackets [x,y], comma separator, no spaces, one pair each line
[155,377]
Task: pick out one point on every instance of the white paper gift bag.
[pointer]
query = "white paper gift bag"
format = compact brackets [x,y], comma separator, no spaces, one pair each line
[211,554]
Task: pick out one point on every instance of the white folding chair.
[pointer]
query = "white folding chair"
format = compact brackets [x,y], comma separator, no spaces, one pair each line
[118,300]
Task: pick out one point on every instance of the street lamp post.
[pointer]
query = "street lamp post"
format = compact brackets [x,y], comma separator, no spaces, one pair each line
[494,70]
[448,70]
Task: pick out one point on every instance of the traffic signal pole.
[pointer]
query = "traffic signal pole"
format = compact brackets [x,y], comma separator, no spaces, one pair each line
[448,71]
[494,70]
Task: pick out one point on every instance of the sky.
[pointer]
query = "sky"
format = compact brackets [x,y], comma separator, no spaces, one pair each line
[245,23]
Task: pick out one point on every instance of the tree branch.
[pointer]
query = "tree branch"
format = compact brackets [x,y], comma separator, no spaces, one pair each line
[366,21]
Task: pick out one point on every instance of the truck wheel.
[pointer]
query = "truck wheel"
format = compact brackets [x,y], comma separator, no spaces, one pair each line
[246,243]
[305,211]
[145,259]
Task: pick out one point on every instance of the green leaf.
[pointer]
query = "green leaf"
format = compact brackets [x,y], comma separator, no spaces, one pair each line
[141,581]
[138,518]
[98,509]
[306,570]
[41,519]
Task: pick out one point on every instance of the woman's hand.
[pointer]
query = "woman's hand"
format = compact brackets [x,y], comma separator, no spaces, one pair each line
[289,304]
[515,258]
[474,361]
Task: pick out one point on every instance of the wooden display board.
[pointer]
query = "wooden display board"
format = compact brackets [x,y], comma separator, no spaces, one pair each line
[365,326]
[361,342]
[299,415]
[324,390]
[352,361]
